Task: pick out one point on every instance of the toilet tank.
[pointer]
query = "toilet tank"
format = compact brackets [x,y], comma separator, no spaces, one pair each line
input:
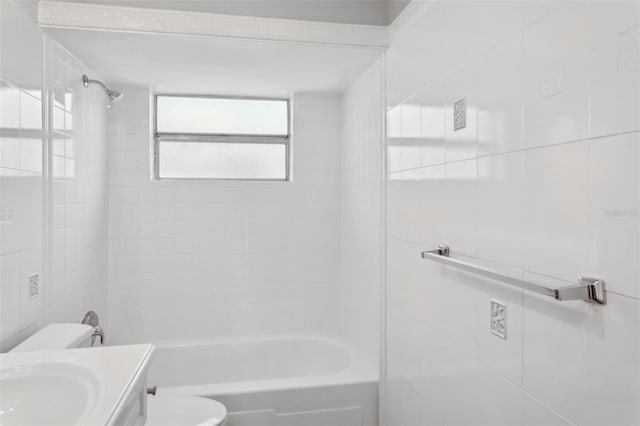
[57,336]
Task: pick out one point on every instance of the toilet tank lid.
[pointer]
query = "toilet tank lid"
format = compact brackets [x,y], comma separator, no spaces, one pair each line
[56,336]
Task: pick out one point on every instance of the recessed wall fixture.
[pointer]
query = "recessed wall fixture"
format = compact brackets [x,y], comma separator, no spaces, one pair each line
[114,95]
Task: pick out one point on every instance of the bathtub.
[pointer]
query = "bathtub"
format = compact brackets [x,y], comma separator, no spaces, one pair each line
[281,380]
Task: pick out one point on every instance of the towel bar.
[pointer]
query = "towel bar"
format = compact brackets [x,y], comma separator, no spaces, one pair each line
[588,289]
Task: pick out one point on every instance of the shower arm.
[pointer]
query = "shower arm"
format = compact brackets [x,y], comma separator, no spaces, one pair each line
[113,95]
[86,81]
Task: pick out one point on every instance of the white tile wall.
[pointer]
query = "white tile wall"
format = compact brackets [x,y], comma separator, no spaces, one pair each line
[544,183]
[79,191]
[361,212]
[76,188]
[209,259]
[20,172]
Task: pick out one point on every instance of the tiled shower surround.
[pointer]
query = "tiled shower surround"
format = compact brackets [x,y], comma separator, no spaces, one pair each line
[212,259]
[361,218]
[79,191]
[216,258]
[542,183]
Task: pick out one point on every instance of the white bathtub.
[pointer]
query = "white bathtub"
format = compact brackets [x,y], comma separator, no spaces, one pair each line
[282,380]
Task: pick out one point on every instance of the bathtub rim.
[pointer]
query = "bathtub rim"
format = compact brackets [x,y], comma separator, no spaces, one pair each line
[359,371]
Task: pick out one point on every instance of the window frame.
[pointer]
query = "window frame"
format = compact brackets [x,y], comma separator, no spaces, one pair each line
[220,138]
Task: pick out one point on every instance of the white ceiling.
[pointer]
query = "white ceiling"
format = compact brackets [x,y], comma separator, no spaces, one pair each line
[190,64]
[369,12]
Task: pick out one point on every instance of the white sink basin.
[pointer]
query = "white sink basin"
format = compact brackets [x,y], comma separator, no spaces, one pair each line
[47,393]
[86,387]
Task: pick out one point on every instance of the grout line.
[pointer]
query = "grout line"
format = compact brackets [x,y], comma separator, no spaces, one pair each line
[498,154]
[628,296]
[527,393]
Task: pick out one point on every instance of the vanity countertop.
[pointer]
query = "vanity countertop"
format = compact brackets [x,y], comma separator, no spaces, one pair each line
[91,386]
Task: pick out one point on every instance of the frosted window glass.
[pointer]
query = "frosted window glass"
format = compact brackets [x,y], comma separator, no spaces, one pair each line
[210,160]
[201,115]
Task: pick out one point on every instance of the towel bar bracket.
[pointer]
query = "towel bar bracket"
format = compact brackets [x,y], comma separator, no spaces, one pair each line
[588,289]
[443,250]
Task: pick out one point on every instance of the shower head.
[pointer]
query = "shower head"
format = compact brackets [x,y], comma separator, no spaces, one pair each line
[113,95]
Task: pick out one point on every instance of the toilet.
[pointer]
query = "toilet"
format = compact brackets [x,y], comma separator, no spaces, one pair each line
[161,410]
[184,410]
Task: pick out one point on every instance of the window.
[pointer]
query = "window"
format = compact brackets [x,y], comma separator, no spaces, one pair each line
[205,137]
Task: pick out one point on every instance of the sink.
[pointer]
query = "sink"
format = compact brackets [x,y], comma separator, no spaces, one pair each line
[103,386]
[46,393]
